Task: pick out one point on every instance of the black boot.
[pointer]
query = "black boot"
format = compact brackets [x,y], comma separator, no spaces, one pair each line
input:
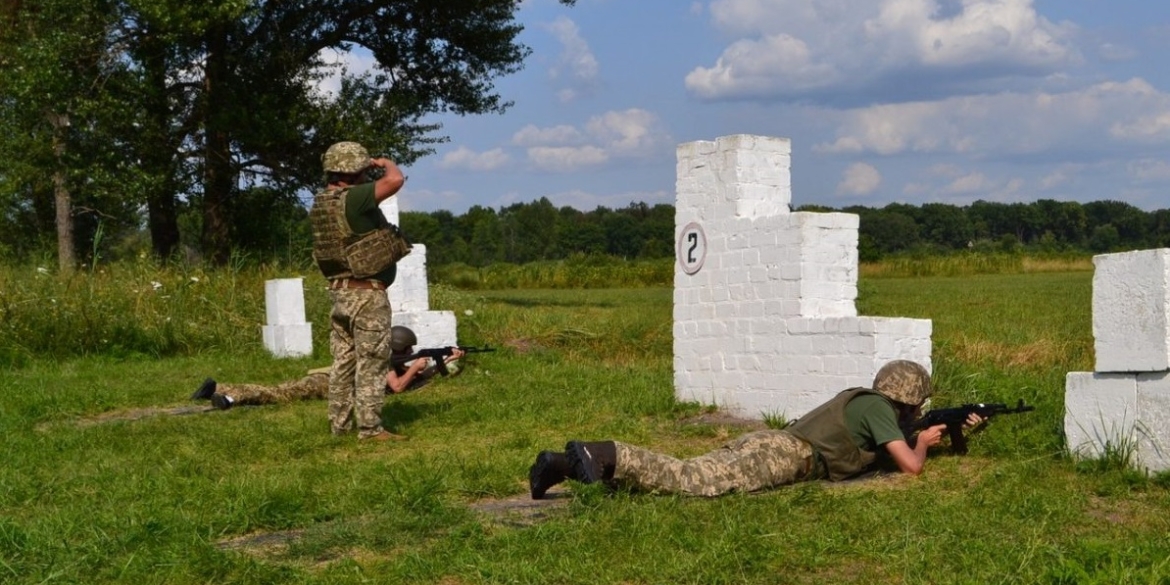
[591,462]
[206,389]
[550,469]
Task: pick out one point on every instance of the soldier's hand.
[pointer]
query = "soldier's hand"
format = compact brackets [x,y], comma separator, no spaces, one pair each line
[931,436]
[973,420]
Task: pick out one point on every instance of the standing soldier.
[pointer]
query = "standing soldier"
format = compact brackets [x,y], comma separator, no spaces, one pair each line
[357,250]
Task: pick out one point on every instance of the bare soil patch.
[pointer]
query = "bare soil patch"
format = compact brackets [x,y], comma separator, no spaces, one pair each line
[132,414]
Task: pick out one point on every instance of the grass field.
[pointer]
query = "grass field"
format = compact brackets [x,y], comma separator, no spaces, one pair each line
[96,487]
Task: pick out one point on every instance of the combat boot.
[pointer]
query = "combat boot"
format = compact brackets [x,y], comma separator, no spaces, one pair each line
[550,469]
[591,462]
[206,389]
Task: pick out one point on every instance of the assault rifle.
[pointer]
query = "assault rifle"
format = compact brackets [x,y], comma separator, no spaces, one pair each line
[955,417]
[439,354]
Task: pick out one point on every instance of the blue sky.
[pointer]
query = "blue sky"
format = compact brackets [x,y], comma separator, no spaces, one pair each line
[910,101]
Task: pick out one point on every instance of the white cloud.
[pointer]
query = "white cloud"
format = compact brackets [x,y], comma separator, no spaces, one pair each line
[465,158]
[627,134]
[790,48]
[566,158]
[757,68]
[632,132]
[859,179]
[970,183]
[1062,175]
[531,135]
[1151,127]
[1149,170]
[576,66]
[1105,116]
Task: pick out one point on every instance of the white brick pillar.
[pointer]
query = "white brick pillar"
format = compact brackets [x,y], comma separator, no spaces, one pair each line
[287,334]
[410,296]
[764,313]
[1125,402]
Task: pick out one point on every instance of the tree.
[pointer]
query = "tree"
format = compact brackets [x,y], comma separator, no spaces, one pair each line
[1066,220]
[224,91]
[947,225]
[57,77]
[487,244]
[884,231]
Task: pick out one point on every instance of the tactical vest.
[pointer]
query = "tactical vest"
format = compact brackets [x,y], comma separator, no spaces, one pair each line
[339,252]
[824,428]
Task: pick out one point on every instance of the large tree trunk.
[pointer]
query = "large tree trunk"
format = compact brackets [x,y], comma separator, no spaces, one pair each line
[66,257]
[219,175]
[158,156]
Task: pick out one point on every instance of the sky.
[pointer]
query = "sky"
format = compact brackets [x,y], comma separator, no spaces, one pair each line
[910,101]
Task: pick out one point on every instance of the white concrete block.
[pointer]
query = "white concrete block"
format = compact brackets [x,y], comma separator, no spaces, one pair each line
[1100,411]
[433,328]
[1131,311]
[284,301]
[287,334]
[291,340]
[1152,428]
[409,292]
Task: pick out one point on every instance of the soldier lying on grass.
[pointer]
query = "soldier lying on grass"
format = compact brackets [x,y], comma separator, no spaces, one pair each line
[402,377]
[848,435]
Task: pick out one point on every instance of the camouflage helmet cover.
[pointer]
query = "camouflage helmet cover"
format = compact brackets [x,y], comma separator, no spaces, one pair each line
[903,381]
[401,338]
[346,157]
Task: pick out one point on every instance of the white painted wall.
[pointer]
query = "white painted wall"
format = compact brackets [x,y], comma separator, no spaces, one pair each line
[765,322]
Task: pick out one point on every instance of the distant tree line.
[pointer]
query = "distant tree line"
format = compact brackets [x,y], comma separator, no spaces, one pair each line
[526,232]
[267,225]
[1043,226]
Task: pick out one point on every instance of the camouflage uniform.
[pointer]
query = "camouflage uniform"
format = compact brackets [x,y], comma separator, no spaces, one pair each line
[314,386]
[818,445]
[752,462]
[836,440]
[359,342]
[352,246]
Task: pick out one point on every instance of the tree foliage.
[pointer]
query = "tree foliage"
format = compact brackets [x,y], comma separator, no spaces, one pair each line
[186,106]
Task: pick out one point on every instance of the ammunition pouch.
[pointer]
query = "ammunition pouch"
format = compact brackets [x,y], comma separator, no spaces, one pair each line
[376,251]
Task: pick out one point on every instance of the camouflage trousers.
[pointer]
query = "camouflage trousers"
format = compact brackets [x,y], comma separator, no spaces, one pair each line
[312,387]
[360,343]
[752,462]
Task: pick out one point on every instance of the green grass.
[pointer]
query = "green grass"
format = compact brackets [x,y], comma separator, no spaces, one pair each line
[156,500]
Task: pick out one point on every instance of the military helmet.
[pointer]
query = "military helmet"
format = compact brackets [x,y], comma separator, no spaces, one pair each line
[401,338]
[903,381]
[346,157]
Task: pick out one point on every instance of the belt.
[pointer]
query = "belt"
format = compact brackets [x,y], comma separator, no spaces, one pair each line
[367,284]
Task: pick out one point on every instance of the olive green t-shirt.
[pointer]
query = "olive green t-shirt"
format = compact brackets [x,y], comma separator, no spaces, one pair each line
[363,215]
[872,422]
